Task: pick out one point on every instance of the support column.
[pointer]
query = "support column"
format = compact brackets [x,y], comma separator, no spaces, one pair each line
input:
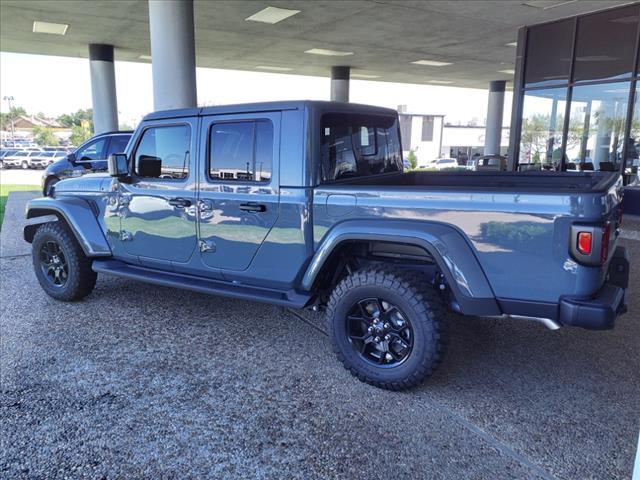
[173,54]
[103,88]
[495,110]
[340,84]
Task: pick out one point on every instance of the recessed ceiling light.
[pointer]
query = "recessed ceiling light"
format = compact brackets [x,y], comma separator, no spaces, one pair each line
[271,15]
[274,69]
[330,53]
[442,82]
[509,72]
[145,57]
[431,63]
[511,44]
[364,76]
[50,28]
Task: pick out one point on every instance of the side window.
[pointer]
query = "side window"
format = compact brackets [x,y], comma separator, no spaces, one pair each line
[118,144]
[163,152]
[241,151]
[92,151]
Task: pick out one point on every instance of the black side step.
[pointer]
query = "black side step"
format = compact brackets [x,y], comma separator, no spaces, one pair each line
[290,298]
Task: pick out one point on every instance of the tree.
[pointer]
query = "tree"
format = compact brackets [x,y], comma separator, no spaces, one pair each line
[44,136]
[413,160]
[80,134]
[12,115]
[77,118]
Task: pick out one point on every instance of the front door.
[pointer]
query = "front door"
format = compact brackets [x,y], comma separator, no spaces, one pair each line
[157,208]
[239,194]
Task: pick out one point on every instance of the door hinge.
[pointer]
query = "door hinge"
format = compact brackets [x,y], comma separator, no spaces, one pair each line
[207,246]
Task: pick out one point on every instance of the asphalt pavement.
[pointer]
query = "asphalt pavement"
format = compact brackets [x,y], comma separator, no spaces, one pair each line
[139,381]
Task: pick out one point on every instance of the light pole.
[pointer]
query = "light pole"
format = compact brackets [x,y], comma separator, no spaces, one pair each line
[10,99]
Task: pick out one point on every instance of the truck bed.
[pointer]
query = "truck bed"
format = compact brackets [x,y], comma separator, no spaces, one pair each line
[530,182]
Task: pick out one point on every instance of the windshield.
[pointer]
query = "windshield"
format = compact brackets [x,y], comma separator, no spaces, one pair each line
[355,145]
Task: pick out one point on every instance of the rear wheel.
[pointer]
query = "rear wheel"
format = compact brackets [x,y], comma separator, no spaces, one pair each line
[387,327]
[62,269]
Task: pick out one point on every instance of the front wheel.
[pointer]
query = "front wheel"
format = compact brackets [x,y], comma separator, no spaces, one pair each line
[62,269]
[387,327]
[25,165]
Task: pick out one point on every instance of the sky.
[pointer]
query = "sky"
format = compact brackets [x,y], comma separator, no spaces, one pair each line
[57,85]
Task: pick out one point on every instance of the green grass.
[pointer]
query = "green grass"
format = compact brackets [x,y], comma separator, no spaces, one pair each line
[4,193]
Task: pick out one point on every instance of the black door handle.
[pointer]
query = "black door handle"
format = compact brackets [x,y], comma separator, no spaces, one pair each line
[180,202]
[253,207]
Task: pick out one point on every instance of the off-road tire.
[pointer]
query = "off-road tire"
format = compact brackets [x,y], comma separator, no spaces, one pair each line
[81,278]
[418,301]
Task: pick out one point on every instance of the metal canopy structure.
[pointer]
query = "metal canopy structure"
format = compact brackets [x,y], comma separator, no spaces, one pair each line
[378,39]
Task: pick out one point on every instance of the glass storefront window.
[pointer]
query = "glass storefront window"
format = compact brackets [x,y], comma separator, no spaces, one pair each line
[549,54]
[605,45]
[632,160]
[542,123]
[595,140]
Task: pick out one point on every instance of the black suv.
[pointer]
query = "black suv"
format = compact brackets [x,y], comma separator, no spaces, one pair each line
[89,157]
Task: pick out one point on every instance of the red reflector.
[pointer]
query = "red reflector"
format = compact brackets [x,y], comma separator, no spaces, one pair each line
[584,243]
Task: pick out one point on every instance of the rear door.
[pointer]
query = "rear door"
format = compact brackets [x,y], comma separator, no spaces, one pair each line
[157,208]
[239,191]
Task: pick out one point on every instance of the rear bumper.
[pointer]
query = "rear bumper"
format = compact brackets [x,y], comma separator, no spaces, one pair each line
[599,311]
[596,313]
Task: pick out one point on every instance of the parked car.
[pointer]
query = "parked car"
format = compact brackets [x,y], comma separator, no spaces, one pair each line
[44,159]
[19,159]
[291,203]
[443,163]
[494,163]
[90,157]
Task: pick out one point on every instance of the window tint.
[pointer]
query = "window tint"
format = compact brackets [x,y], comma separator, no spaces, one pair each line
[344,154]
[164,152]
[241,151]
[427,129]
[92,151]
[549,53]
[606,44]
[118,144]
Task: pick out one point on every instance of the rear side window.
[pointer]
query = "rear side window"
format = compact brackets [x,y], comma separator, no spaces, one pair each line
[241,151]
[359,145]
[118,144]
[163,152]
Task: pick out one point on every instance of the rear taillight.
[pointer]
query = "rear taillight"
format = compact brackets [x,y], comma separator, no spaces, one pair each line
[604,246]
[585,240]
[590,243]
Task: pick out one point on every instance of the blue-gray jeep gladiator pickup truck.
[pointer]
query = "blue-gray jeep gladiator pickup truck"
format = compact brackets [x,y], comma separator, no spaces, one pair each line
[305,204]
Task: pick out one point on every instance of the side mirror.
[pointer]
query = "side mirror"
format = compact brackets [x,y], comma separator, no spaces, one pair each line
[71,157]
[118,165]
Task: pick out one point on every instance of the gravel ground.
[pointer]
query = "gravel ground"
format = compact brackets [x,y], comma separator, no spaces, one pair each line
[143,381]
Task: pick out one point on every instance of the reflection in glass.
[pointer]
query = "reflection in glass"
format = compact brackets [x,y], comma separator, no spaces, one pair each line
[542,123]
[632,157]
[595,140]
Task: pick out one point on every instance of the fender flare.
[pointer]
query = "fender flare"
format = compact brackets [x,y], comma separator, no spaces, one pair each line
[78,215]
[449,248]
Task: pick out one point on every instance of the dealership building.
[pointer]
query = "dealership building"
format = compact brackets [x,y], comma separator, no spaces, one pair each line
[572,65]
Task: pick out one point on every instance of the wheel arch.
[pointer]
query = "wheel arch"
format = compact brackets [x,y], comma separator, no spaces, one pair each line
[444,244]
[77,214]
